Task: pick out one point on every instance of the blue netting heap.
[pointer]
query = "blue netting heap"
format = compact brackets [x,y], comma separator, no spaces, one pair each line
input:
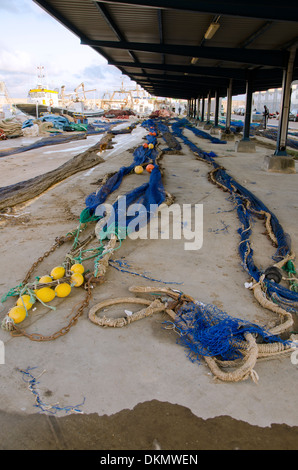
[126,218]
[177,129]
[202,134]
[140,156]
[207,331]
[148,195]
[246,213]
[168,137]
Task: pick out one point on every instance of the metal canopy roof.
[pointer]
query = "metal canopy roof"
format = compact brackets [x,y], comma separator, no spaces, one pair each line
[162,44]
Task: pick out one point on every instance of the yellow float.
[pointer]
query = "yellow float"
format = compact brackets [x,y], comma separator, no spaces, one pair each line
[77,279]
[45,294]
[25,301]
[17,314]
[45,279]
[63,289]
[77,268]
[58,272]
[139,169]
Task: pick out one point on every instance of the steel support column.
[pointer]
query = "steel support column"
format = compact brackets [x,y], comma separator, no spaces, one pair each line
[199,108]
[203,108]
[281,143]
[229,106]
[208,107]
[216,109]
[248,106]
[245,144]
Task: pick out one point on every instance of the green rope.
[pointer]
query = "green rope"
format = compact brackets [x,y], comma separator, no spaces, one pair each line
[86,216]
[84,219]
[76,239]
[113,229]
[20,290]
[291,271]
[14,291]
[97,251]
[289,267]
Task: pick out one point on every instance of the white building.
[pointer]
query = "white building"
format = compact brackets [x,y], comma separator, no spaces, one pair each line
[272,99]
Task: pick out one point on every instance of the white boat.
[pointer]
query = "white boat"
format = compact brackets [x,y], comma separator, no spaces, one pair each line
[42,100]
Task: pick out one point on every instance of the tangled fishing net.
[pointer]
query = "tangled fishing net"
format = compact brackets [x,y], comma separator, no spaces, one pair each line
[204,330]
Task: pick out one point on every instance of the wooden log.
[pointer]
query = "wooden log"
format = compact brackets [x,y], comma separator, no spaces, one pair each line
[26,190]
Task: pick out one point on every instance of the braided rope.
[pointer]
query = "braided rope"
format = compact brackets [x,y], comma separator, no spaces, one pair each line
[152,307]
[243,368]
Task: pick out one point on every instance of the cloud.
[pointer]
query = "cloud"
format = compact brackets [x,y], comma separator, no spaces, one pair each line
[31,37]
[102,78]
[18,61]
[96,72]
[20,7]
[13,6]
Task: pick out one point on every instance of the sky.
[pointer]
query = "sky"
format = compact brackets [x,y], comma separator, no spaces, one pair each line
[30,37]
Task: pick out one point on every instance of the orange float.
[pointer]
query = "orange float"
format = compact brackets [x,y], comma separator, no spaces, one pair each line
[149,167]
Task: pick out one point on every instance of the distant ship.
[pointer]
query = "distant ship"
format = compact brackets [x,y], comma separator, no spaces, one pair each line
[42,100]
[37,109]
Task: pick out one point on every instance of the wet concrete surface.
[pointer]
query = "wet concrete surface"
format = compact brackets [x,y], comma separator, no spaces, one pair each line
[152,425]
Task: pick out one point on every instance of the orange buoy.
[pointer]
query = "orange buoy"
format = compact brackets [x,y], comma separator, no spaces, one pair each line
[149,167]
[145,145]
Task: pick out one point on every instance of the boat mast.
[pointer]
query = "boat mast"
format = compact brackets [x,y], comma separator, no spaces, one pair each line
[40,76]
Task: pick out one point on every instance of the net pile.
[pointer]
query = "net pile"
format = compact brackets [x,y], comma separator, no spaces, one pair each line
[206,331]
[150,193]
[268,292]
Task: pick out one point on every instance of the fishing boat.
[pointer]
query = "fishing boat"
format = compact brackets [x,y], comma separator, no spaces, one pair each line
[43,100]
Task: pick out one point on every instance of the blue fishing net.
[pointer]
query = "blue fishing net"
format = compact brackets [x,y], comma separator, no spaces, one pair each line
[177,129]
[184,123]
[153,193]
[204,135]
[207,331]
[59,122]
[96,198]
[246,213]
[147,196]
